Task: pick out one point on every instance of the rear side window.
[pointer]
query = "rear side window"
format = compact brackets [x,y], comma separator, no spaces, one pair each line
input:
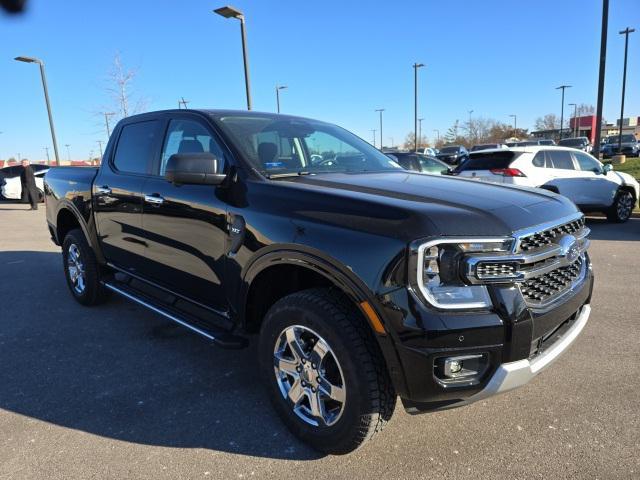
[538,160]
[136,146]
[487,161]
[561,159]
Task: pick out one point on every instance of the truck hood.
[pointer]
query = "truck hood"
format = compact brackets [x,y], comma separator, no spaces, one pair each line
[450,206]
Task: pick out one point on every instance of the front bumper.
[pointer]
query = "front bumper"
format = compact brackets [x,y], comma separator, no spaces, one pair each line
[518,341]
[512,375]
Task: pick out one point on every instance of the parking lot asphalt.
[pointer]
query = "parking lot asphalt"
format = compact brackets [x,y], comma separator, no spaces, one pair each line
[116,391]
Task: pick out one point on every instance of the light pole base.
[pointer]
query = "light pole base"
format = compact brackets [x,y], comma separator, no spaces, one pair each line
[618,159]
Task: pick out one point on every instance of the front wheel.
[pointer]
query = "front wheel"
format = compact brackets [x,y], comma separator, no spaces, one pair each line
[622,207]
[324,371]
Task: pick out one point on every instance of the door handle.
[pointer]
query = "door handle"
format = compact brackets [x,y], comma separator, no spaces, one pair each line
[103,190]
[154,199]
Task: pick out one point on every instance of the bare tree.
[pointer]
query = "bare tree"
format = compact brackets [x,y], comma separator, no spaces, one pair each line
[409,142]
[120,87]
[549,122]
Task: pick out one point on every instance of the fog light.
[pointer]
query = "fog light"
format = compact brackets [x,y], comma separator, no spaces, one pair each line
[461,367]
[454,366]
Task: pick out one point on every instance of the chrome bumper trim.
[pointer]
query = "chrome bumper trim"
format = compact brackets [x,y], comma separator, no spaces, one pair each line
[512,375]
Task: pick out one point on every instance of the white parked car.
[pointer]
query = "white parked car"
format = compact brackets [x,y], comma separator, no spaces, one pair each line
[10,186]
[592,186]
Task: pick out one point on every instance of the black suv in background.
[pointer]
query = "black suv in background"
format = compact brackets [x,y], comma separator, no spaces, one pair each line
[581,143]
[453,154]
[361,280]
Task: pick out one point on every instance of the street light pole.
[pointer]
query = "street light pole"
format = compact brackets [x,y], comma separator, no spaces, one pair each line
[416,66]
[574,130]
[100,146]
[46,98]
[626,33]
[46,149]
[373,130]
[515,124]
[278,88]
[603,61]
[470,112]
[420,129]
[380,110]
[437,135]
[68,152]
[230,12]
[563,88]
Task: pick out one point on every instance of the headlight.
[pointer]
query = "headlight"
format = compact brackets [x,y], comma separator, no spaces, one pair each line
[439,272]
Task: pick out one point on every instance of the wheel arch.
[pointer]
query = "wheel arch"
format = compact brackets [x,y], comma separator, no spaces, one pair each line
[319,270]
[69,217]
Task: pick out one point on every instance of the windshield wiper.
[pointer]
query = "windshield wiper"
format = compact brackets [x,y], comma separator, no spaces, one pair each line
[287,175]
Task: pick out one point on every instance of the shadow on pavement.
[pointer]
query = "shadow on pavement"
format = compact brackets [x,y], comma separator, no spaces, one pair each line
[121,372]
[601,229]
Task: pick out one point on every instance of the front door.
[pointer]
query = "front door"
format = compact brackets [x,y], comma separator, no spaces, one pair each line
[599,189]
[117,193]
[185,226]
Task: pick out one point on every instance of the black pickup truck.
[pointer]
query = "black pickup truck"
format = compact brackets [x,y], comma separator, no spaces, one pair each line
[362,281]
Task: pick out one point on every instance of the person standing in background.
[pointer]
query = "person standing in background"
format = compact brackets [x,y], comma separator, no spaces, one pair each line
[28,181]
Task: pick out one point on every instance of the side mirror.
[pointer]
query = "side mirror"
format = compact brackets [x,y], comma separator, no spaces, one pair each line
[606,168]
[194,169]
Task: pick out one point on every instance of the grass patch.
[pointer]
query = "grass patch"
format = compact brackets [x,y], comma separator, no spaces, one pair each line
[631,166]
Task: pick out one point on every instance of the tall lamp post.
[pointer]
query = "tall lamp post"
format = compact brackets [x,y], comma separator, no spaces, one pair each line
[626,33]
[470,112]
[437,135]
[380,110]
[416,66]
[373,131]
[420,129]
[603,61]
[68,151]
[563,88]
[515,124]
[230,12]
[575,119]
[278,88]
[46,98]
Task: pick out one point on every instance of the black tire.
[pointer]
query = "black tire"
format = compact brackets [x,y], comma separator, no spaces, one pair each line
[369,397]
[622,207]
[92,293]
[40,196]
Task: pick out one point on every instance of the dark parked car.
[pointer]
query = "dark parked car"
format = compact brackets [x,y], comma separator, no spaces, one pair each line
[630,146]
[362,281]
[453,154]
[581,143]
[419,163]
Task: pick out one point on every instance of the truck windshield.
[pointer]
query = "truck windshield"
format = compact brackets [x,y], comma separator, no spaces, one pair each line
[279,145]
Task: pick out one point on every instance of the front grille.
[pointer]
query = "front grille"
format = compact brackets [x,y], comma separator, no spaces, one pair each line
[546,237]
[545,287]
[488,270]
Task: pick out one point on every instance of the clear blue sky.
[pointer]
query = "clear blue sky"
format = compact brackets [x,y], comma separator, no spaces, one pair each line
[341,60]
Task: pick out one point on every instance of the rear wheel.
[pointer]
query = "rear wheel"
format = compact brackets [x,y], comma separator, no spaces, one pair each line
[81,269]
[622,207]
[324,371]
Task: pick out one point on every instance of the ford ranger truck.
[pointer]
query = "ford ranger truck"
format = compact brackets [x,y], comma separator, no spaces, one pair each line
[360,281]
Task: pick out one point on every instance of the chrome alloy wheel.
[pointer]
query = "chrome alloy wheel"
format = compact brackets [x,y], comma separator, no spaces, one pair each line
[624,205]
[76,269]
[309,376]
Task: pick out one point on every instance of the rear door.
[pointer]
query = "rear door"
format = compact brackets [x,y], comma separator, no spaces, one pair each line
[565,176]
[185,226]
[117,193]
